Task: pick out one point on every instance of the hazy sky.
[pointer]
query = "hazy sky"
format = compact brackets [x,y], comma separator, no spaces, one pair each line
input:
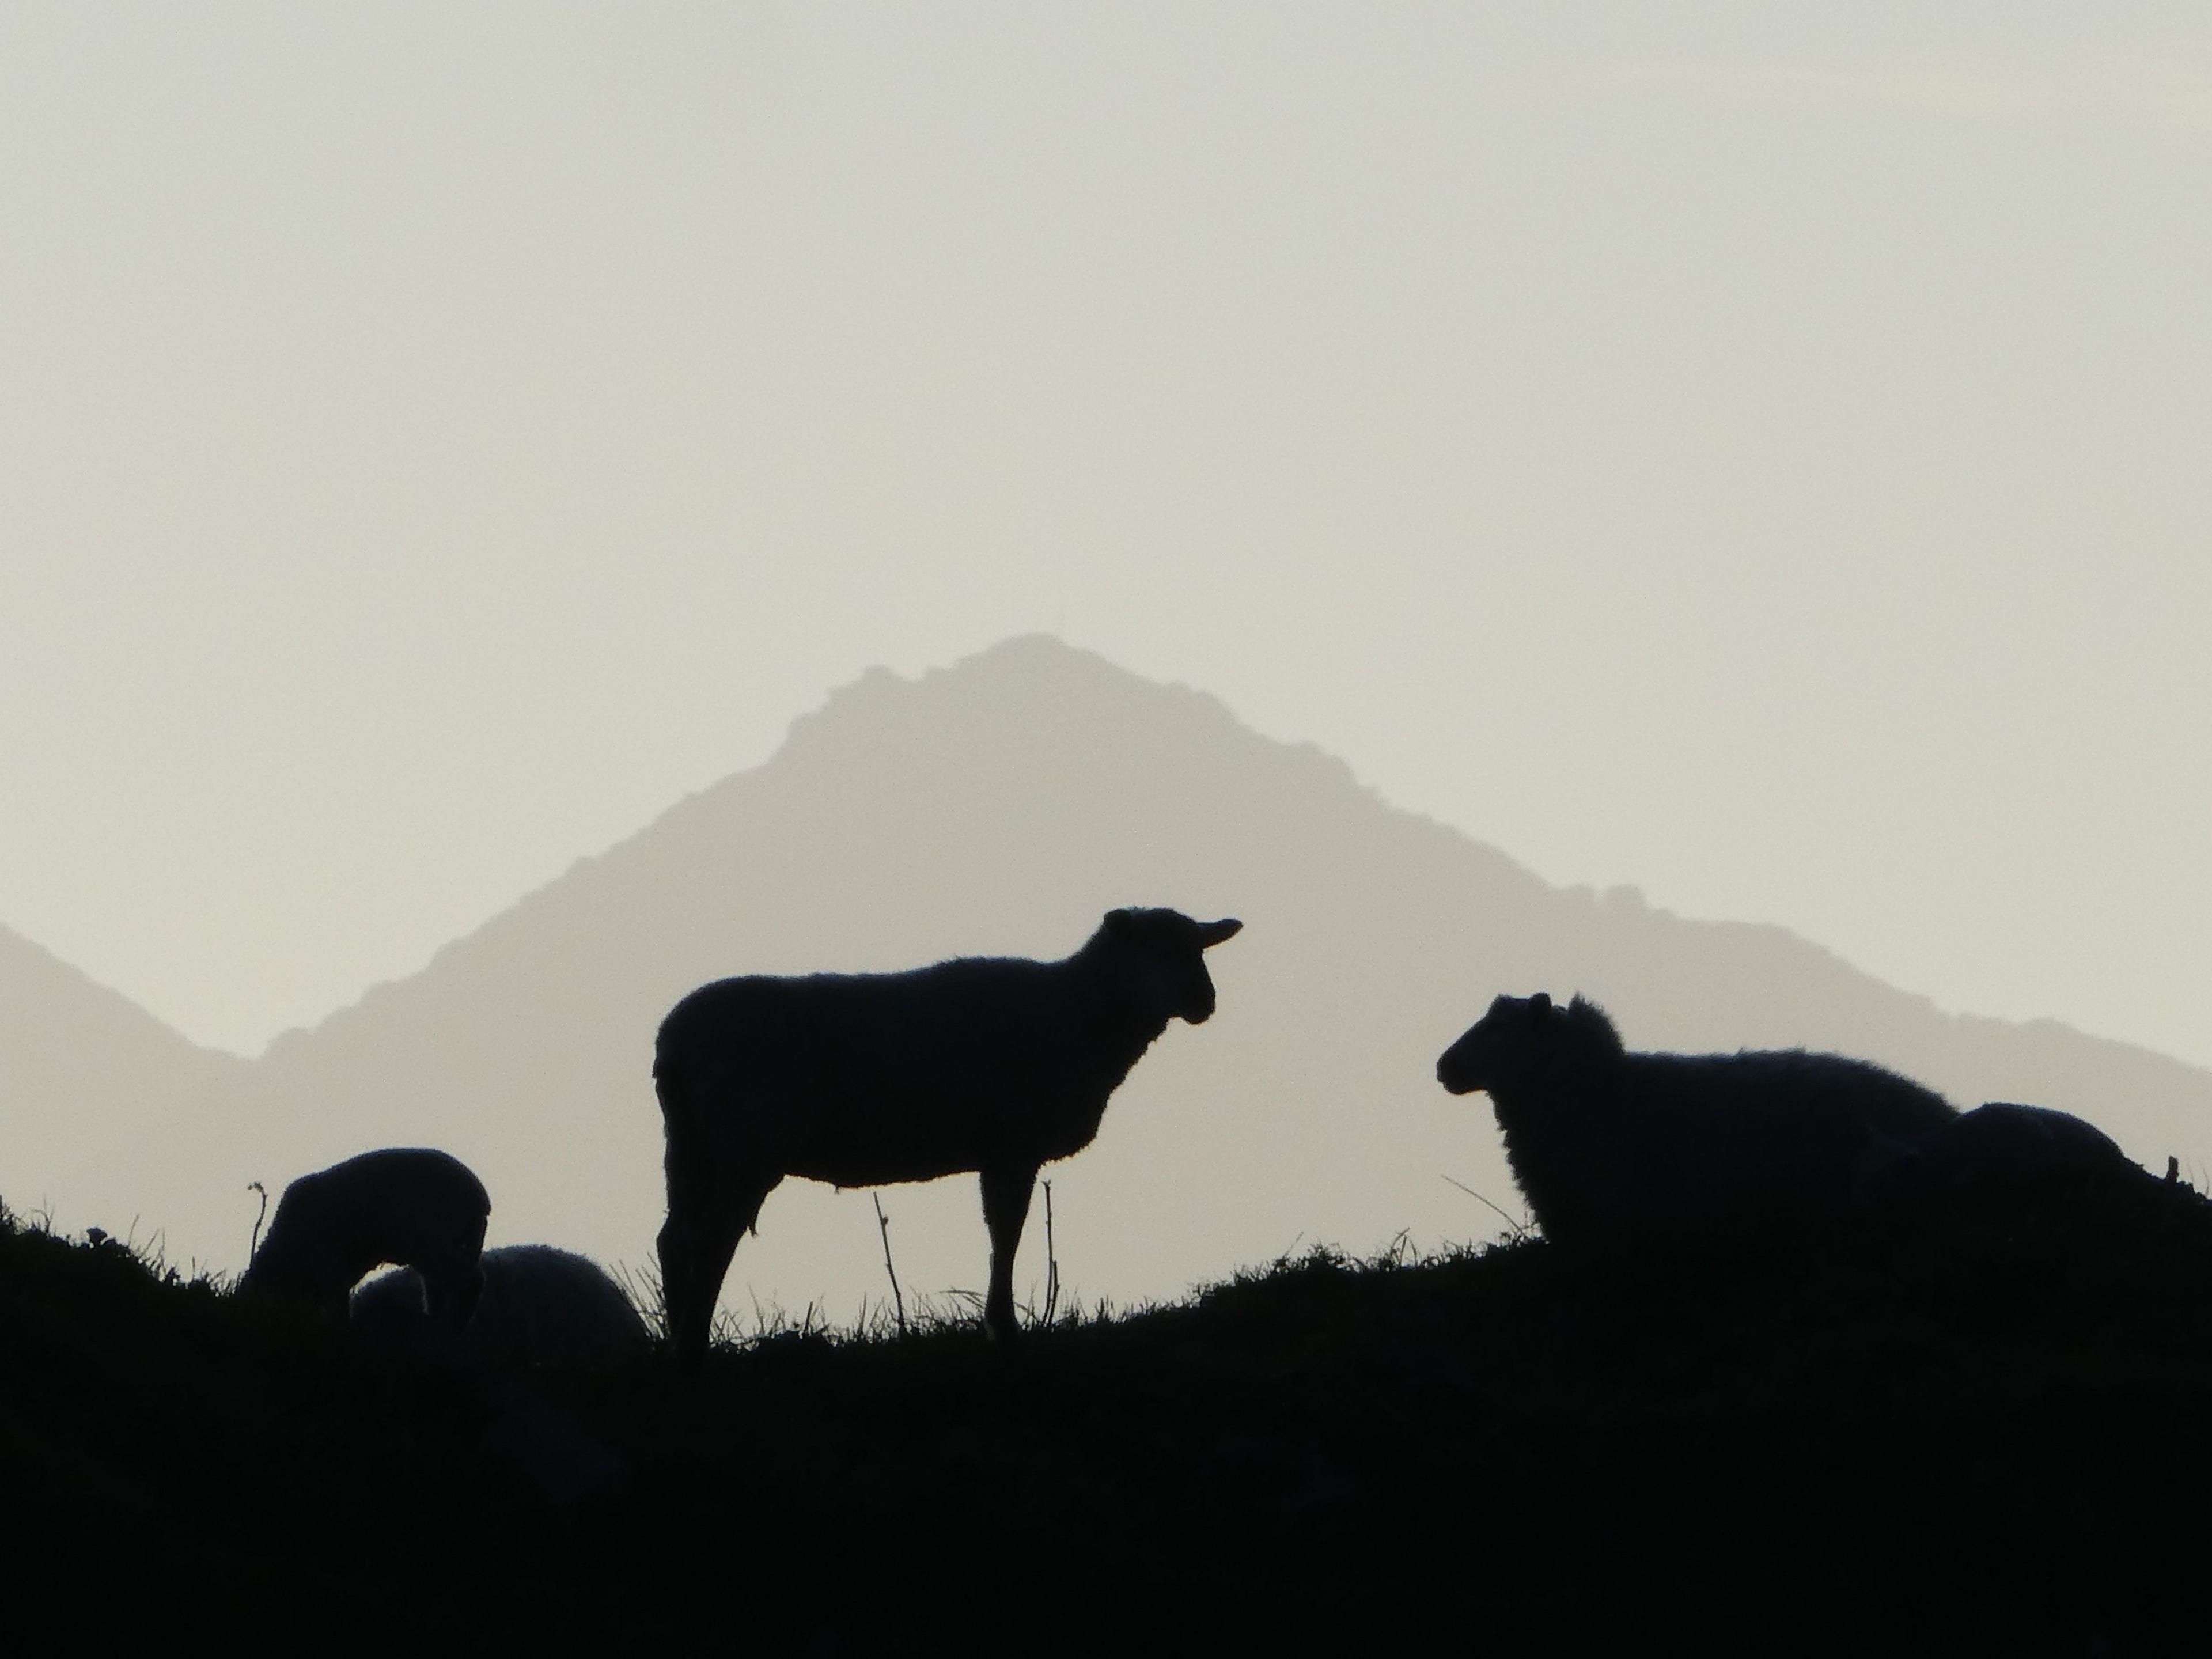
[1756,457]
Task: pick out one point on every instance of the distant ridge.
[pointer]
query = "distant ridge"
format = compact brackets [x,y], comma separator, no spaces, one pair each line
[85,1075]
[999,806]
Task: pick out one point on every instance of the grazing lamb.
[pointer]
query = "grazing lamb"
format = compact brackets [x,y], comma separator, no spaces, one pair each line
[540,1306]
[993,1065]
[419,1208]
[1606,1144]
[2002,1147]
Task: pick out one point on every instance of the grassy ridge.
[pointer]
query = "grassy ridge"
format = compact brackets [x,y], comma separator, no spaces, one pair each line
[1982,1429]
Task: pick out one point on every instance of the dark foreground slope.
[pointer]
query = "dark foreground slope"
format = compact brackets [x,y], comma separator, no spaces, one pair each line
[1986,1431]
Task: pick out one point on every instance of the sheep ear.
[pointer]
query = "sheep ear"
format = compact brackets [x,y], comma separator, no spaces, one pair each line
[1541,1003]
[1211,933]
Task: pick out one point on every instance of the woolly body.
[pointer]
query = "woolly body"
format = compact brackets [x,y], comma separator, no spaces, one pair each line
[1606,1144]
[2000,1147]
[541,1306]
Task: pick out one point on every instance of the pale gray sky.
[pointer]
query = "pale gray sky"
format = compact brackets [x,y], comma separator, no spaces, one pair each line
[1757,458]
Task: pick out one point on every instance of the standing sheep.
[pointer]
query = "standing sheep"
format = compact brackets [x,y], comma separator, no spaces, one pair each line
[540,1306]
[993,1065]
[419,1208]
[1604,1142]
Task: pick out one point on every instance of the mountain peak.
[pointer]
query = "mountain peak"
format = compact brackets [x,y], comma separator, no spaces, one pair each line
[1031,683]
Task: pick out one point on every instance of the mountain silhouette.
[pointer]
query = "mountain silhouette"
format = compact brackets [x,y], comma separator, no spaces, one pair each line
[1001,807]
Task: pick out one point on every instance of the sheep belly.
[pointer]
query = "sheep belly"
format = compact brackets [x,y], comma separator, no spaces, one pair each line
[882,1146]
[886,1136]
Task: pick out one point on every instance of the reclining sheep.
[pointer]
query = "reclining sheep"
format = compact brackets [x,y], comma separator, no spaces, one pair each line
[1606,1144]
[2000,1148]
[993,1065]
[419,1208]
[540,1306]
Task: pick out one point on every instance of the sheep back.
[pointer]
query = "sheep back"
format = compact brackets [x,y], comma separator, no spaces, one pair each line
[413,1206]
[541,1306]
[2000,1147]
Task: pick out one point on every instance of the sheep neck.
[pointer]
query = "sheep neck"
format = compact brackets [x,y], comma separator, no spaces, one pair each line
[1111,1027]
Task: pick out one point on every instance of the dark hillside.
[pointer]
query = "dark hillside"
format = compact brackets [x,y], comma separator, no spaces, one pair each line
[173,1461]
[1988,1430]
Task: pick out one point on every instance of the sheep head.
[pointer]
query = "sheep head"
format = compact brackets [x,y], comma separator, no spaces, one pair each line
[1166,950]
[288,1265]
[1521,1039]
[1500,1046]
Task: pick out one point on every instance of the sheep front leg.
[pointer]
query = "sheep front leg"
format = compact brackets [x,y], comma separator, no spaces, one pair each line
[693,1259]
[695,1245]
[453,1275]
[1005,1207]
[452,1291]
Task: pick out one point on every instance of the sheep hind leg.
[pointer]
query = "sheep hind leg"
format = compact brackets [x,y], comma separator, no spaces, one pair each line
[1005,1208]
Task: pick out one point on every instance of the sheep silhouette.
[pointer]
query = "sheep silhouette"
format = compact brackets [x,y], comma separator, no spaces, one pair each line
[2002,1147]
[1607,1144]
[410,1205]
[541,1306]
[996,1066]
